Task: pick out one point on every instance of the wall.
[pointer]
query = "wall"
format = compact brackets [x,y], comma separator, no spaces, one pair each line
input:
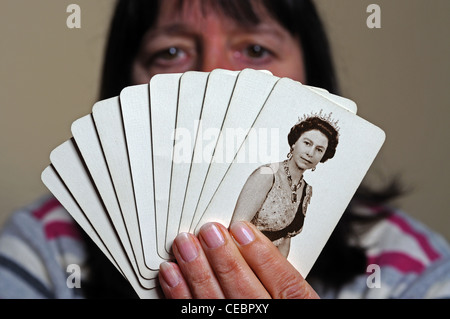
[398,75]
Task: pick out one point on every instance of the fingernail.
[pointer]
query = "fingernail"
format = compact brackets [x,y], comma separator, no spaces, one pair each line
[212,235]
[242,233]
[186,247]
[170,275]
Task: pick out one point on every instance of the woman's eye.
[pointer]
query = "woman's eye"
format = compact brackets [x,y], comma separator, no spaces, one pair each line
[168,57]
[256,51]
[169,54]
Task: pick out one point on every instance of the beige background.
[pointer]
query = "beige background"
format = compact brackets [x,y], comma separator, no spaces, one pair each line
[398,75]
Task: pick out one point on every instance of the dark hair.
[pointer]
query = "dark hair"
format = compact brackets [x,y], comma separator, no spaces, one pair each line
[133,18]
[316,123]
[339,261]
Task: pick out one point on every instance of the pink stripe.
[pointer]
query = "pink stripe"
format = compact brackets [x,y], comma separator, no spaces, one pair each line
[378,209]
[60,229]
[47,207]
[398,260]
[421,239]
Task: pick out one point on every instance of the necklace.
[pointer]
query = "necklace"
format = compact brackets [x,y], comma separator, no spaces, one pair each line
[294,187]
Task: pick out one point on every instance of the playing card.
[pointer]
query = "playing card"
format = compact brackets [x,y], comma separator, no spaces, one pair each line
[333,183]
[163,105]
[190,102]
[53,182]
[109,125]
[88,143]
[339,100]
[135,108]
[218,93]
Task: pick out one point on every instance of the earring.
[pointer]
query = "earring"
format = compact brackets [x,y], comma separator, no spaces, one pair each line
[313,169]
[289,155]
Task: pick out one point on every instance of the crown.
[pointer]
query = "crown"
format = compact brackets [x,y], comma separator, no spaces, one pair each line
[323,117]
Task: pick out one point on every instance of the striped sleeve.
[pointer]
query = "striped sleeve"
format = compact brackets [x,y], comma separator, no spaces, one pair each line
[405,260]
[37,244]
[414,261]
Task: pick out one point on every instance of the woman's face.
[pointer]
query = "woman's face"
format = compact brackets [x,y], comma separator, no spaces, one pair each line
[309,149]
[191,39]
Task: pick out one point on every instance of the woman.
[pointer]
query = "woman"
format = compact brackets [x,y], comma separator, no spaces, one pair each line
[276,203]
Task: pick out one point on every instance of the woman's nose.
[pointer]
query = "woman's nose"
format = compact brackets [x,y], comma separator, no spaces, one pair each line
[215,61]
[216,56]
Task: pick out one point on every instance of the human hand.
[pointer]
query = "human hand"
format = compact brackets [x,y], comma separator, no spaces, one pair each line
[239,263]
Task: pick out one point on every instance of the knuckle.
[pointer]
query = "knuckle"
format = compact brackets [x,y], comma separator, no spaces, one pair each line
[291,286]
[266,260]
[201,279]
[227,267]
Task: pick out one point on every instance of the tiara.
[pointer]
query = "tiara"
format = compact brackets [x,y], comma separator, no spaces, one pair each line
[323,117]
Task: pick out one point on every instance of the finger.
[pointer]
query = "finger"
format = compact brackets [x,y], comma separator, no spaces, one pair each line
[234,275]
[172,282]
[195,267]
[279,277]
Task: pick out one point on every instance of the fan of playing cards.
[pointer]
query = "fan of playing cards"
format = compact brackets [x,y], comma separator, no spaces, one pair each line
[168,156]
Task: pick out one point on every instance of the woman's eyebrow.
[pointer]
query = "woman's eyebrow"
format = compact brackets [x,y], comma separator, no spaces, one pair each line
[186,29]
[262,28]
[320,146]
[171,29]
[312,142]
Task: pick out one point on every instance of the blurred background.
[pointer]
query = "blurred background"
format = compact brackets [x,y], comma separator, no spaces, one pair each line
[397,74]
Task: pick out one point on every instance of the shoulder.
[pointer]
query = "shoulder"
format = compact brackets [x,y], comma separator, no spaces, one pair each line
[46,218]
[37,244]
[264,174]
[409,237]
[414,260]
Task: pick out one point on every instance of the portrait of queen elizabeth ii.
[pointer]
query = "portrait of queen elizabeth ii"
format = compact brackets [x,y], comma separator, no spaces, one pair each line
[277,202]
